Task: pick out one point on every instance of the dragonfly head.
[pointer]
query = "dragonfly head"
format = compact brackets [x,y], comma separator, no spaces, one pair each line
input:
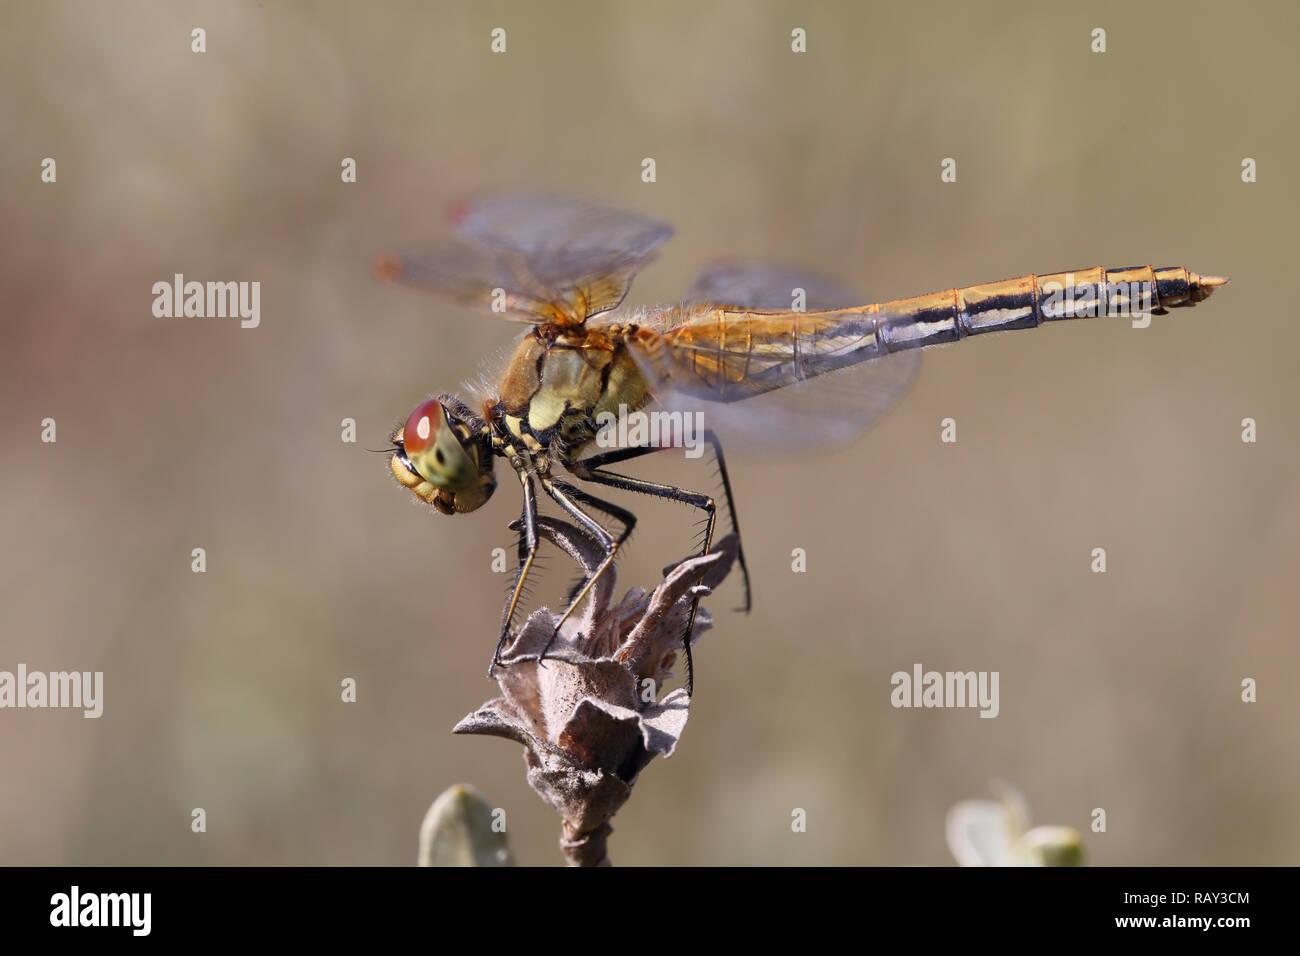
[441,457]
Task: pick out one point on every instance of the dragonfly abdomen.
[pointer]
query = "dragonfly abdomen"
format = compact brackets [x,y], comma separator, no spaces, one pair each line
[1028,301]
[725,355]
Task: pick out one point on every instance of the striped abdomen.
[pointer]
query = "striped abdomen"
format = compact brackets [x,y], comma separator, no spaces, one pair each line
[725,354]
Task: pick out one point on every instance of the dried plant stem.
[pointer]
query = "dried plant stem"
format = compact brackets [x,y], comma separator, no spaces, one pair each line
[585,849]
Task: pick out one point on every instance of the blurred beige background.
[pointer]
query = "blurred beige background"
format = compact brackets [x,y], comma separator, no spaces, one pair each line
[222,690]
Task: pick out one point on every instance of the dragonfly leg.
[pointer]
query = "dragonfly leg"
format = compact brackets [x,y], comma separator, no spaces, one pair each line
[712,438]
[584,468]
[566,496]
[621,515]
[527,552]
[656,489]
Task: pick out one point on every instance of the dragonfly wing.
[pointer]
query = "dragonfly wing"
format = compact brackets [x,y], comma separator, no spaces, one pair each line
[768,405]
[769,286]
[474,275]
[827,411]
[537,259]
[587,253]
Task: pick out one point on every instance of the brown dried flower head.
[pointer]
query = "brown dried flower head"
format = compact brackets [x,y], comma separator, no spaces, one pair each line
[589,716]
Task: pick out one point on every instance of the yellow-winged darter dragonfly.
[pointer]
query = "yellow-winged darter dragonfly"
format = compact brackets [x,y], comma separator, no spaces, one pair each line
[564,267]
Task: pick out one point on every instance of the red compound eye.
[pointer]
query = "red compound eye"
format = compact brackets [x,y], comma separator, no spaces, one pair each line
[421,429]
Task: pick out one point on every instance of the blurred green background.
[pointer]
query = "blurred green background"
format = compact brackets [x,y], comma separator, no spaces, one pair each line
[1118,691]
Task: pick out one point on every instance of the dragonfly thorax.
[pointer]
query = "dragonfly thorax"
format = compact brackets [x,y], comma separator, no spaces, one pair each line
[558,385]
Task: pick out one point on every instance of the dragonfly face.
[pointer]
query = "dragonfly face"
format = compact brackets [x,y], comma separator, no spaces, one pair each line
[441,455]
[738,334]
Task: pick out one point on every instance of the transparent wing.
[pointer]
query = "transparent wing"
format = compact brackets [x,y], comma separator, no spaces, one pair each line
[744,372]
[474,275]
[768,286]
[827,411]
[541,259]
[561,239]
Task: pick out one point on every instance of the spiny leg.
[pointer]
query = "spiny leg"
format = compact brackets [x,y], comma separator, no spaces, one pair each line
[621,515]
[673,493]
[583,469]
[565,496]
[527,553]
[711,437]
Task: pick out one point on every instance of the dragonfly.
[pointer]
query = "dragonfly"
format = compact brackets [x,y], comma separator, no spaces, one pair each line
[741,334]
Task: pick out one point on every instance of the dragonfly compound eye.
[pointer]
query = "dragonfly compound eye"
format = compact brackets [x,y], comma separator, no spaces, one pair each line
[420,432]
[439,460]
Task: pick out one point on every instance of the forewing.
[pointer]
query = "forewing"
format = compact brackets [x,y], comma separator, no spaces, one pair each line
[585,253]
[539,259]
[475,275]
